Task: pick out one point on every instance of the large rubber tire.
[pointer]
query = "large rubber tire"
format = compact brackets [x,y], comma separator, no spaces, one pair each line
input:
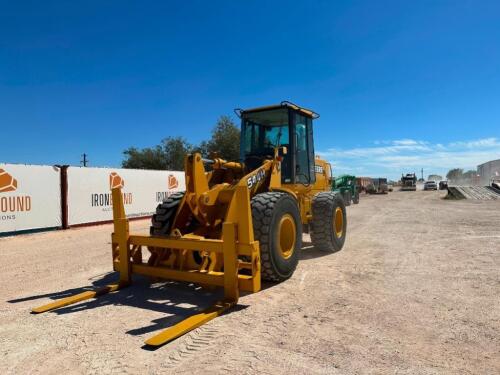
[162,220]
[269,210]
[327,230]
[355,199]
[347,198]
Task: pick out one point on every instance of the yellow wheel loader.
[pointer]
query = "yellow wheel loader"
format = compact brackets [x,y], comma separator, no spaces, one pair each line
[238,222]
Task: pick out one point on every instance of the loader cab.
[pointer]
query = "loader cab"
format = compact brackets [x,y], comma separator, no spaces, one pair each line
[284,125]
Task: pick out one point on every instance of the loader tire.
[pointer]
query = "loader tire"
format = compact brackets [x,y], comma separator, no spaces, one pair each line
[347,198]
[329,223]
[355,199]
[161,223]
[278,228]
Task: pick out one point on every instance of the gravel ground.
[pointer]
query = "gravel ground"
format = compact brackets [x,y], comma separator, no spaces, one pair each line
[416,290]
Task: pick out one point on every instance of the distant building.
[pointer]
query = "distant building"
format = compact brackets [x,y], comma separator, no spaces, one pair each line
[488,170]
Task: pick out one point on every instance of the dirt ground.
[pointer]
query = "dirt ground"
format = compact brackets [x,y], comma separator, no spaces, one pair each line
[416,290]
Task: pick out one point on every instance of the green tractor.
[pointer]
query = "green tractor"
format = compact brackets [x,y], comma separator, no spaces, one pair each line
[345,186]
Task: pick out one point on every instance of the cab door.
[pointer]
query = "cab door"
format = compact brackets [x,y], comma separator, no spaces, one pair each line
[304,150]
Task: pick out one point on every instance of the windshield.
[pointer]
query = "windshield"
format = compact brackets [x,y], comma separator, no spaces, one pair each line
[263,131]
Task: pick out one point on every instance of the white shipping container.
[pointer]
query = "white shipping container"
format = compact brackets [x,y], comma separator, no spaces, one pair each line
[89,192]
[30,197]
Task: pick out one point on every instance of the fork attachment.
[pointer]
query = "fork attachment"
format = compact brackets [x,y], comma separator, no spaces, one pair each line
[221,265]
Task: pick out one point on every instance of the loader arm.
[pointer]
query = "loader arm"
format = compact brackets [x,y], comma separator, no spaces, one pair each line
[212,203]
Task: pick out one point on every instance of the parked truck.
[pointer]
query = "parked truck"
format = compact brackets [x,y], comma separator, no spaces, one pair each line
[378,186]
[409,182]
[362,183]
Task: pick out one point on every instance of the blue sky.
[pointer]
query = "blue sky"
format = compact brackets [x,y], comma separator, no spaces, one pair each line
[399,85]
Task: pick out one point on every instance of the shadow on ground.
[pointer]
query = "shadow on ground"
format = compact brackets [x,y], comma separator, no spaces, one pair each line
[97,281]
[176,300]
[308,251]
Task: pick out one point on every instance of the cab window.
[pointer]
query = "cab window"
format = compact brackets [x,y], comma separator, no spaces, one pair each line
[304,157]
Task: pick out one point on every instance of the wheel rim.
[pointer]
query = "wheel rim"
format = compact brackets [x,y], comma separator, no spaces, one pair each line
[287,234]
[339,222]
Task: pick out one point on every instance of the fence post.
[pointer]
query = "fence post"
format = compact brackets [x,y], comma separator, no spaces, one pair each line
[63,176]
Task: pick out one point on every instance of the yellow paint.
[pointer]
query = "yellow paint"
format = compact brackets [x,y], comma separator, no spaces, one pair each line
[76,298]
[188,324]
[339,222]
[287,232]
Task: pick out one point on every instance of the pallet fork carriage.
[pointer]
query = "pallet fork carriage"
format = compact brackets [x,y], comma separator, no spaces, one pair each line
[127,260]
[236,222]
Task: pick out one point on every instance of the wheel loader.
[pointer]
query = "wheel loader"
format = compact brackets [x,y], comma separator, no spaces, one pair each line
[238,222]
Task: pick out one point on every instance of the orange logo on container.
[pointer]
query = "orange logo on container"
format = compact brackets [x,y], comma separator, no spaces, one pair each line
[172,182]
[7,182]
[11,205]
[115,181]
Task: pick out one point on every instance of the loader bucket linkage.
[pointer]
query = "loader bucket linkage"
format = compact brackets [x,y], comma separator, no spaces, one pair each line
[127,260]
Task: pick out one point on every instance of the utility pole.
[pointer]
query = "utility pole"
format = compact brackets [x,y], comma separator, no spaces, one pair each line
[422,174]
[85,161]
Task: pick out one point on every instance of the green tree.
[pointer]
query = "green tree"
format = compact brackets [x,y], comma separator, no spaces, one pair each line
[434,177]
[469,175]
[225,140]
[454,174]
[176,148]
[169,155]
[147,158]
